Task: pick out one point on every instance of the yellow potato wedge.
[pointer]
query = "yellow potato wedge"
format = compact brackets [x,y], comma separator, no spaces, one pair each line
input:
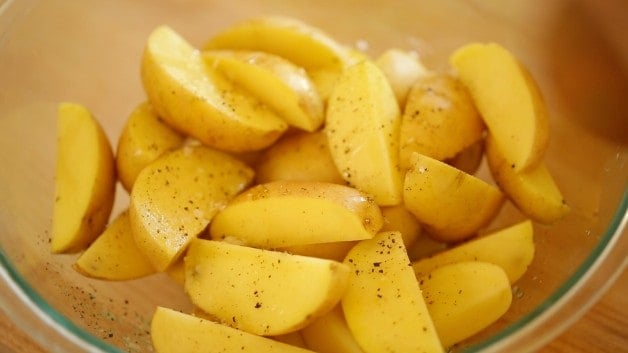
[362,127]
[464,298]
[275,81]
[84,180]
[534,191]
[511,248]
[451,204]
[174,332]
[306,46]
[300,156]
[439,120]
[201,103]
[175,197]
[402,69]
[144,137]
[330,334]
[383,305]
[287,213]
[398,218]
[508,100]
[261,291]
[114,255]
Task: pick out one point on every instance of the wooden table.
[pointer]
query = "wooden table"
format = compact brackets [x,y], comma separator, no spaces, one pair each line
[603,329]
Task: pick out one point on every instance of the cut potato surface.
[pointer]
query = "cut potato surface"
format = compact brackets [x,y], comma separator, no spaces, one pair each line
[474,293]
[175,197]
[114,255]
[261,291]
[362,127]
[286,213]
[175,332]
[511,248]
[383,305]
[275,81]
[309,47]
[144,138]
[451,204]
[508,100]
[330,334]
[201,103]
[84,180]
[534,191]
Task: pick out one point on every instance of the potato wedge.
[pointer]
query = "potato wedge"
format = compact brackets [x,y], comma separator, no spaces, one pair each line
[301,156]
[174,332]
[306,46]
[261,291]
[144,138]
[84,180]
[114,255]
[534,191]
[175,197]
[451,204]
[330,334]
[275,81]
[402,69]
[439,120]
[383,305]
[362,127]
[511,248]
[200,102]
[464,298]
[508,100]
[287,213]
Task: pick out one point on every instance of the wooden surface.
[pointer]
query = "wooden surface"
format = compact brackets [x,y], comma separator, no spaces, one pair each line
[603,329]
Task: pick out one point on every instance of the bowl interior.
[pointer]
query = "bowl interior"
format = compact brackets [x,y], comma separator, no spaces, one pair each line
[89,52]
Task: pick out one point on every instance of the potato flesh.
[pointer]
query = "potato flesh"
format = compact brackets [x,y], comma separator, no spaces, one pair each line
[511,248]
[330,334]
[534,191]
[306,46]
[362,127]
[463,298]
[114,255]
[451,204]
[402,69]
[383,305]
[508,100]
[261,291]
[199,102]
[144,138]
[84,180]
[277,82]
[174,332]
[175,197]
[283,213]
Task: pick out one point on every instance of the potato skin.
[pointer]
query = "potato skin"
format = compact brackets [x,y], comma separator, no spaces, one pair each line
[144,138]
[439,120]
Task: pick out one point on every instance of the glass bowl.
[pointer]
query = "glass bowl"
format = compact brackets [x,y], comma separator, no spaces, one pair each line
[89,52]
